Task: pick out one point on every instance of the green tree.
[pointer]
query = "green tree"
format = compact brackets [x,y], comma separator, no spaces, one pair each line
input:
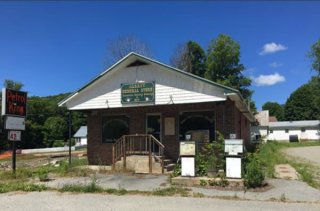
[190,57]
[224,67]
[314,55]
[55,128]
[303,104]
[15,85]
[275,109]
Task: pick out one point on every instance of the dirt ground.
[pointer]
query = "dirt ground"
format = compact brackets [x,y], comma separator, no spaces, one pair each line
[311,154]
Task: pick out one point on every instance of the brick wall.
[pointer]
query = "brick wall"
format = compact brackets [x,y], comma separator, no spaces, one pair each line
[227,118]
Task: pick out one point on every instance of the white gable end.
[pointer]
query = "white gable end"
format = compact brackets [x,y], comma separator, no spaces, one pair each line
[171,87]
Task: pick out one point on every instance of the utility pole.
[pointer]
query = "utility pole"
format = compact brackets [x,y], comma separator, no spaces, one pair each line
[70,127]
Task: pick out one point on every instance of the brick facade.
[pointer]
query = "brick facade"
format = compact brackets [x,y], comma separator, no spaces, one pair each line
[228,120]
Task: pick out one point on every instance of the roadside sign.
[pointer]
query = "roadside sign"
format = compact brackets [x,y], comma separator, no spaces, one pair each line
[15,123]
[14,135]
[14,102]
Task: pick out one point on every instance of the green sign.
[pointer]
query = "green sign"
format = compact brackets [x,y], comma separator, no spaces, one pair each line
[137,93]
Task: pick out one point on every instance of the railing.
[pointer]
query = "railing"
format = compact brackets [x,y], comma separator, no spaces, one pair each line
[139,144]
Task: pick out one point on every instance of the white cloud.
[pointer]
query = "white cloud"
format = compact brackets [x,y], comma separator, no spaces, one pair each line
[269,80]
[270,48]
[275,64]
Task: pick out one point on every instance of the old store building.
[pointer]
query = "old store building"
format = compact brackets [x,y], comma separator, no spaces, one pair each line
[138,96]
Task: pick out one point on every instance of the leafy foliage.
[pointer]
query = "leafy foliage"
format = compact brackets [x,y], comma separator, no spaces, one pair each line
[210,156]
[191,58]
[15,85]
[275,109]
[314,55]
[224,67]
[254,175]
[303,104]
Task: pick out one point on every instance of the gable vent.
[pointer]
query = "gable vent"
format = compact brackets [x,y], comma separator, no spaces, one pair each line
[137,63]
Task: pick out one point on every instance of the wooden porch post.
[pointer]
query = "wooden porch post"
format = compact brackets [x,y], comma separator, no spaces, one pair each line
[150,157]
[124,153]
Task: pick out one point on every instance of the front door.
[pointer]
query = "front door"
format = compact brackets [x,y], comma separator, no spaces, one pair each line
[153,125]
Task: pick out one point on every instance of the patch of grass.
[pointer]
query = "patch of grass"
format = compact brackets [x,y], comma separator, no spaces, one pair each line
[14,186]
[171,191]
[270,154]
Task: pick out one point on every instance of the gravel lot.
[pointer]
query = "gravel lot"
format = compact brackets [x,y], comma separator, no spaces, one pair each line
[307,153]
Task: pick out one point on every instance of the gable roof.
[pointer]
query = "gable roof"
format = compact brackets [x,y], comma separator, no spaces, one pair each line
[132,57]
[82,132]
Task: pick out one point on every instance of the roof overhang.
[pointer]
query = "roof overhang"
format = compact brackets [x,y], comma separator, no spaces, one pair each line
[241,105]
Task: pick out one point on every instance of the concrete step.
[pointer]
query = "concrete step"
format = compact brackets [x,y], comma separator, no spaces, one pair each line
[167,162]
[169,167]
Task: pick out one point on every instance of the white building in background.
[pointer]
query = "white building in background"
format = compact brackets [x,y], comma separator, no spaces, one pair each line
[284,130]
[81,136]
[294,130]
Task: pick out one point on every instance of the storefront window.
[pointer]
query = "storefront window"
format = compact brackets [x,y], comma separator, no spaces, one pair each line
[113,127]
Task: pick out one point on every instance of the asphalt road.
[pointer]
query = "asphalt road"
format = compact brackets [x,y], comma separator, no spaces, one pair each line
[57,201]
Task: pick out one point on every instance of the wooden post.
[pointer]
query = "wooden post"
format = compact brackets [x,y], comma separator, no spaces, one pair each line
[150,157]
[124,154]
[113,158]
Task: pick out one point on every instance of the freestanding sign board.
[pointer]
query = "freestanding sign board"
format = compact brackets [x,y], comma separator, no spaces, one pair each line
[14,103]
[14,108]
[14,123]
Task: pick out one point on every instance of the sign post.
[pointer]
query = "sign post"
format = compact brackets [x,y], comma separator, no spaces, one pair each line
[14,108]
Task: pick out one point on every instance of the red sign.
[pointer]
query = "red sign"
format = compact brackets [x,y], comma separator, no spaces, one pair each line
[14,102]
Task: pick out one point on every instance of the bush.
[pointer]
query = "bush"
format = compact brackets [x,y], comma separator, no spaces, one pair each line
[254,175]
[176,171]
[43,174]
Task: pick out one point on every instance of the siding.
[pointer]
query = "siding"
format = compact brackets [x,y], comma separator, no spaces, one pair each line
[106,92]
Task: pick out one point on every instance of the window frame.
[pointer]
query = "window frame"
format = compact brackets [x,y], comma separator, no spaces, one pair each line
[104,118]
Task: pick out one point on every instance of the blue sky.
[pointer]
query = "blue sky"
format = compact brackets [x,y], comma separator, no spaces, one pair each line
[57,47]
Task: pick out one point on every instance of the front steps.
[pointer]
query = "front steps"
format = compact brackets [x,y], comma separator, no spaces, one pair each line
[140,164]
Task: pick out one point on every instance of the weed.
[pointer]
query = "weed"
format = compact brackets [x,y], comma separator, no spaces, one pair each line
[14,186]
[171,191]
[203,182]
[198,195]
[43,174]
[283,197]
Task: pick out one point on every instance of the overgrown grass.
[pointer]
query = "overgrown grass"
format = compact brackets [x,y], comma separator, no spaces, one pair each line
[20,186]
[270,154]
[171,191]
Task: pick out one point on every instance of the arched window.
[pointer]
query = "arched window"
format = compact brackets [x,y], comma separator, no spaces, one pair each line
[113,127]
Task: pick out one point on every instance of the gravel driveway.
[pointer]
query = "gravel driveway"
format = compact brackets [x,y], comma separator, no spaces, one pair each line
[306,153]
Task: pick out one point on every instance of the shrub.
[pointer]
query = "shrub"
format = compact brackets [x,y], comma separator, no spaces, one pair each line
[176,171]
[254,176]
[43,174]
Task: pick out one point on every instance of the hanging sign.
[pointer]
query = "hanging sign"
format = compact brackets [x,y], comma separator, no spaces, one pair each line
[137,93]
[14,103]
[14,135]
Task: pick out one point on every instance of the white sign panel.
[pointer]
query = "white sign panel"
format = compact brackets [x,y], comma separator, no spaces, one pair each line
[233,146]
[14,135]
[187,167]
[233,167]
[187,148]
[15,123]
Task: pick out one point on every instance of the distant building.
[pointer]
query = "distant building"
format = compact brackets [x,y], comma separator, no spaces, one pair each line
[81,136]
[294,130]
[284,130]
